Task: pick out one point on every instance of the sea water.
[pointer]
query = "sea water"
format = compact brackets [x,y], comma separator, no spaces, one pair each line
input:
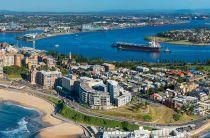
[17,121]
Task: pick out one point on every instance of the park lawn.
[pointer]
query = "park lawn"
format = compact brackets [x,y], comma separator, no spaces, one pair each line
[160,114]
[207,68]
[186,118]
[72,114]
[14,76]
[76,116]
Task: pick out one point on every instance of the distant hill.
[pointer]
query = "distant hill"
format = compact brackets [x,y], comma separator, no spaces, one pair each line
[124,12]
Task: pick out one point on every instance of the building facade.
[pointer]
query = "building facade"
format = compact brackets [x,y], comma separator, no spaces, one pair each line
[47,79]
[68,82]
[96,99]
[8,60]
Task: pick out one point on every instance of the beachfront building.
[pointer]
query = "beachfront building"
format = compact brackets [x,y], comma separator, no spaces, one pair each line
[68,82]
[94,93]
[47,78]
[8,59]
[32,77]
[101,96]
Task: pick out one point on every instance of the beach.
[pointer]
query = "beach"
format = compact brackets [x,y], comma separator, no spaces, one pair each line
[57,129]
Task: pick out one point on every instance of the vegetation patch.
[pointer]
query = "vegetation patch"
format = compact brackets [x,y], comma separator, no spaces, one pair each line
[91,120]
[15,71]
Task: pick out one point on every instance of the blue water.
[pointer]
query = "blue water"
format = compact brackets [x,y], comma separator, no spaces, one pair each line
[207,135]
[98,44]
[17,121]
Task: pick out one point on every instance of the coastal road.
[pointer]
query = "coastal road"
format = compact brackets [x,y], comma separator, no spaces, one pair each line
[88,112]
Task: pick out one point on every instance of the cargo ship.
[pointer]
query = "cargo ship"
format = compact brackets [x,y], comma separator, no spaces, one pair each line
[152,46]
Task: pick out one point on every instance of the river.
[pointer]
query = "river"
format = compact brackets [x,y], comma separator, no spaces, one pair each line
[98,44]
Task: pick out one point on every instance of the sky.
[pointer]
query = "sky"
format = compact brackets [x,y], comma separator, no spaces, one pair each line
[100,5]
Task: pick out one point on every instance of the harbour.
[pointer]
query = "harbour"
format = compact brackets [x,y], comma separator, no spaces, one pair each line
[98,44]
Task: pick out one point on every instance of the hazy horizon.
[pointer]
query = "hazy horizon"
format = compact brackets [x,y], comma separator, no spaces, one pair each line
[100,5]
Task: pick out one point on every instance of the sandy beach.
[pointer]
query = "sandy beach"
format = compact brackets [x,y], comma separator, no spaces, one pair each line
[58,129]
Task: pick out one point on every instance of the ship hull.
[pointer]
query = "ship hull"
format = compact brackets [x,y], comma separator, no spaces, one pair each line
[138,48]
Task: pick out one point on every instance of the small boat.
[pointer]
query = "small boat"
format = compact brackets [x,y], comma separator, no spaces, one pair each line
[57,46]
[167,50]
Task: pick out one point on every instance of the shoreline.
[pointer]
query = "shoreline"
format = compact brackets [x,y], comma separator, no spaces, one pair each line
[57,128]
[182,42]
[79,32]
[185,44]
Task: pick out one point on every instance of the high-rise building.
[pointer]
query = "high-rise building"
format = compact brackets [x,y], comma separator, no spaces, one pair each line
[113,88]
[18,59]
[31,61]
[47,79]
[95,98]
[68,82]
[1,67]
[8,59]
[32,76]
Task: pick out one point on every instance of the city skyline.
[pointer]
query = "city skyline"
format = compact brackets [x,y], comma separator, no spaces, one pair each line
[96,5]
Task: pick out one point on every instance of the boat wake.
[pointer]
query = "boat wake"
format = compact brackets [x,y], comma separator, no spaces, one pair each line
[17,132]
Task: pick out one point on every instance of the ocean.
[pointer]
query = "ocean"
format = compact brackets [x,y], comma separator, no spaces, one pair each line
[17,121]
[98,44]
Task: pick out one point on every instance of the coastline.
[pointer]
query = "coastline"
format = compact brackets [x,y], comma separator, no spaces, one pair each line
[181,42]
[185,44]
[57,128]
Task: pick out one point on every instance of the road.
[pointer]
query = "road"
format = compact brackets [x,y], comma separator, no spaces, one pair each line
[38,92]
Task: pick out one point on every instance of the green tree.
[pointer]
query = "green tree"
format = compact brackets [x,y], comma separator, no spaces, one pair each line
[147,118]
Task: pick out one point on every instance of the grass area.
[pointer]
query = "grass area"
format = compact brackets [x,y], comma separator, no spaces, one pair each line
[15,71]
[207,68]
[152,113]
[90,120]
[70,113]
[53,99]
[168,40]
[14,76]
[185,118]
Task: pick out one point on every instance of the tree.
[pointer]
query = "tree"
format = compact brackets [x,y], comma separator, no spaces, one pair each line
[177,117]
[147,118]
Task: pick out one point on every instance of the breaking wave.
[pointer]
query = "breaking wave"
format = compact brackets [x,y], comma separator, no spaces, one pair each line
[17,132]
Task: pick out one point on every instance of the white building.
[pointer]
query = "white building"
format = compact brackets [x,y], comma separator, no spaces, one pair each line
[68,82]
[95,97]
[141,133]
[123,99]
[142,69]
[113,88]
